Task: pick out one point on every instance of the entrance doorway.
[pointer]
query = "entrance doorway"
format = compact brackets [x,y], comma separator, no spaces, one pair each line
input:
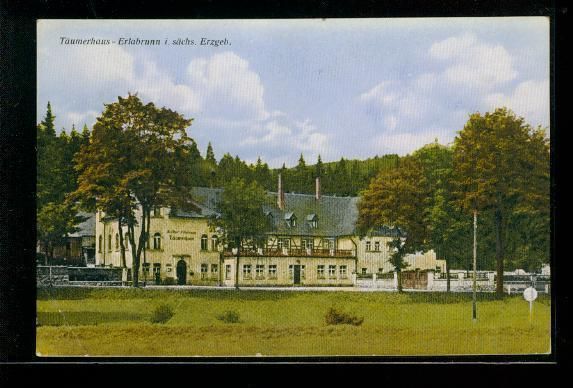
[296,274]
[181,272]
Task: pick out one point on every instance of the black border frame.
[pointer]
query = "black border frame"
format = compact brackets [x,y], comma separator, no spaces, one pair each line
[17,168]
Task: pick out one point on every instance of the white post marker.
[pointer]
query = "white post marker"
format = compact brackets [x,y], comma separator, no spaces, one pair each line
[530,294]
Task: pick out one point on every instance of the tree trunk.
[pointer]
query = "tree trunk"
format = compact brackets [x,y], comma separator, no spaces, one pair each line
[399,273]
[499,253]
[46,251]
[139,248]
[121,244]
[131,229]
[447,276]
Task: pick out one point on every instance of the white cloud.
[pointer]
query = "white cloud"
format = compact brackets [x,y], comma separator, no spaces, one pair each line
[470,75]
[530,99]
[158,86]
[473,63]
[405,142]
[226,79]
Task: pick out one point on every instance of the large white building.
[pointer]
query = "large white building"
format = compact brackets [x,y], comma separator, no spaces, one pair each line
[312,242]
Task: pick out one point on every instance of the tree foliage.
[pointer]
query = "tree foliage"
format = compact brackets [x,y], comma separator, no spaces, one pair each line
[501,169]
[398,198]
[140,157]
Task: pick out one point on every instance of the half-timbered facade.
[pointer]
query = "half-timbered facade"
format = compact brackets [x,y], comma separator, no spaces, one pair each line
[312,242]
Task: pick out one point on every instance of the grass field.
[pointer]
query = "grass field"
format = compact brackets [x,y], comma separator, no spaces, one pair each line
[80,321]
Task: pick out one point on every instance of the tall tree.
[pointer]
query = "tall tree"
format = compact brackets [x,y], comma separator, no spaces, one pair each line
[501,166]
[210,155]
[142,155]
[397,198]
[449,232]
[241,217]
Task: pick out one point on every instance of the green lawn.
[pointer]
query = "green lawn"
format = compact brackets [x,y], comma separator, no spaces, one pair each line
[117,322]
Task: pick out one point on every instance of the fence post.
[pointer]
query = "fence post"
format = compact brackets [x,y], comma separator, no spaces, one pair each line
[430,285]
[395,280]
[354,277]
[374,280]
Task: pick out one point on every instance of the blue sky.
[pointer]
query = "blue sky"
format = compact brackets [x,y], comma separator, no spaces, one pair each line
[350,88]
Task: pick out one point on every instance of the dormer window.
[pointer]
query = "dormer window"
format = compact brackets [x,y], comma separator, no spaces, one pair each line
[312,220]
[290,219]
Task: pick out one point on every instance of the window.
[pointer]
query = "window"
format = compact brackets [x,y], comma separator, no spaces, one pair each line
[368,245]
[157,241]
[156,212]
[156,268]
[272,271]
[303,271]
[332,271]
[364,271]
[380,270]
[320,271]
[109,243]
[204,240]
[343,272]
[214,269]
[291,271]
[168,267]
[145,267]
[290,219]
[377,246]
[228,272]
[307,243]
[204,268]
[328,243]
[260,271]
[246,271]
[214,242]
[283,243]
[100,243]
[116,241]
[312,220]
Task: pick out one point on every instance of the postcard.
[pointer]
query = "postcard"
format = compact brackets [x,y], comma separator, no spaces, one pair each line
[293,187]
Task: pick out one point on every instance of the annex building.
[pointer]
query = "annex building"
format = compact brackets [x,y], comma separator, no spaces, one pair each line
[312,242]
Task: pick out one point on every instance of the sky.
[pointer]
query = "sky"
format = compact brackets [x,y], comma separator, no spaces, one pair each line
[351,88]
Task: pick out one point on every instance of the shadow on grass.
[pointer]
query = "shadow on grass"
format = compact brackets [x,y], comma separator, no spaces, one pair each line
[76,293]
[80,318]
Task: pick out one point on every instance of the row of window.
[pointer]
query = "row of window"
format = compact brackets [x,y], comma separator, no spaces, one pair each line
[156,242]
[272,271]
[376,246]
[306,243]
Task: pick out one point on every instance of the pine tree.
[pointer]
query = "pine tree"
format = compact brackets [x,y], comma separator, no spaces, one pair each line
[210,155]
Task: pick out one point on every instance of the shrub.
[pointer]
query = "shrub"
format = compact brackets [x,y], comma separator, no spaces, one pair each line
[162,314]
[335,317]
[229,317]
[169,281]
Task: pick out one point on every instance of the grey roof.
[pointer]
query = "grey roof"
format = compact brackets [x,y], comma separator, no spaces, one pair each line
[87,227]
[205,199]
[336,216]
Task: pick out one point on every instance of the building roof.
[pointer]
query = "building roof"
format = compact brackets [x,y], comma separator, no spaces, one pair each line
[86,228]
[205,199]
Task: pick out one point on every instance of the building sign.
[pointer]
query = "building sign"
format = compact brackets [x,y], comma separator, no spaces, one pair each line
[181,235]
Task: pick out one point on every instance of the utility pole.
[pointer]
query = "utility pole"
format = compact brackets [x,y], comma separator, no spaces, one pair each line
[474,307]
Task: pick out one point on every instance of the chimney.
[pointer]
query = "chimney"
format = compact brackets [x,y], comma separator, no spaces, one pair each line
[281,194]
[317,192]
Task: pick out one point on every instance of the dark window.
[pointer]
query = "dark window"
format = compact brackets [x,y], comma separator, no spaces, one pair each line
[204,241]
[157,241]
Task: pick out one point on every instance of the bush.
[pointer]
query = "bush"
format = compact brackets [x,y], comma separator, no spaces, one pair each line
[162,314]
[229,317]
[335,317]
[169,282]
